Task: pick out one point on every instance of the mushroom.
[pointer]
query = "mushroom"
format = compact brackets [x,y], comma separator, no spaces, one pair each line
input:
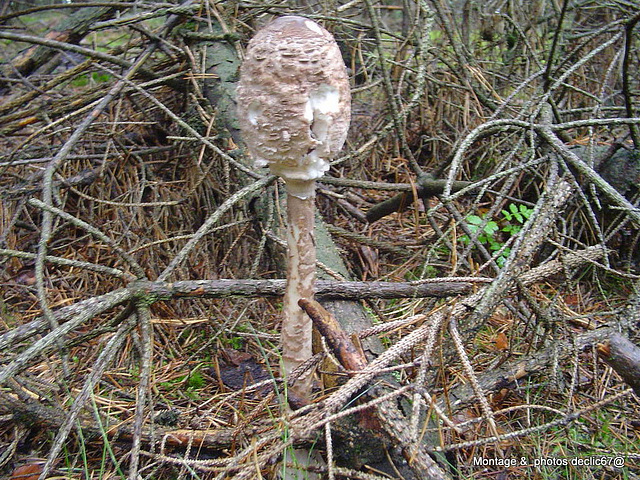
[294,107]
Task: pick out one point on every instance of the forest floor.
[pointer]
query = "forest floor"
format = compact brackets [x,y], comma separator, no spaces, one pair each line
[102,376]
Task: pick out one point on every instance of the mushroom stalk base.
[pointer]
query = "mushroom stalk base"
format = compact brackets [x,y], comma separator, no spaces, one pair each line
[301,274]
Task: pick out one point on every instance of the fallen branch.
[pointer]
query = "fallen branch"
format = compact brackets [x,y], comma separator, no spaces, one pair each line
[35,413]
[324,288]
[386,415]
[347,352]
[623,356]
[152,292]
[71,31]
[426,187]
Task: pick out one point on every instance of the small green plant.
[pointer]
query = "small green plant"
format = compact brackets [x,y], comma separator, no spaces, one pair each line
[7,316]
[488,234]
[237,343]
[195,381]
[488,231]
[515,218]
[95,77]
[188,383]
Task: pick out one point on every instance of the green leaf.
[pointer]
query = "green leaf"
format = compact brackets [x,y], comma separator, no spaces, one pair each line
[491,228]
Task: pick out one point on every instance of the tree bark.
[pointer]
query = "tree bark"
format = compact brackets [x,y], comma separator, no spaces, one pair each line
[324,289]
[624,357]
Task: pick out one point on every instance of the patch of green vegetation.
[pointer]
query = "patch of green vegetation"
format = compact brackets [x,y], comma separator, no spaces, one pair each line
[422,271]
[108,455]
[593,446]
[236,342]
[516,216]
[233,342]
[429,271]
[7,316]
[195,380]
[412,275]
[435,35]
[572,448]
[44,20]
[488,231]
[95,77]
[188,384]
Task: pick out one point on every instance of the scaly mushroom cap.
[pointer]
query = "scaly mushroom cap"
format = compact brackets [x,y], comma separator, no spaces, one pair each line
[294,102]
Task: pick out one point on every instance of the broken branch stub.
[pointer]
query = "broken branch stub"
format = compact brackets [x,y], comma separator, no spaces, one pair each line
[294,102]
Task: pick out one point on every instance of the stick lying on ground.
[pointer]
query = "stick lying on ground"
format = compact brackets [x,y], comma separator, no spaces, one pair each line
[624,357]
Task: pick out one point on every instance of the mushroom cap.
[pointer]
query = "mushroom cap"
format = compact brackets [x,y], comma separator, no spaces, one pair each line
[294,102]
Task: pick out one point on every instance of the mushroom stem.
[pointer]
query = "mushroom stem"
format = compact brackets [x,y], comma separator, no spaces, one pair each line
[294,106]
[301,274]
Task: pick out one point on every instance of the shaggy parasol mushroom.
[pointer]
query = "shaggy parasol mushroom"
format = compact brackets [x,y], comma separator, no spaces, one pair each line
[294,106]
